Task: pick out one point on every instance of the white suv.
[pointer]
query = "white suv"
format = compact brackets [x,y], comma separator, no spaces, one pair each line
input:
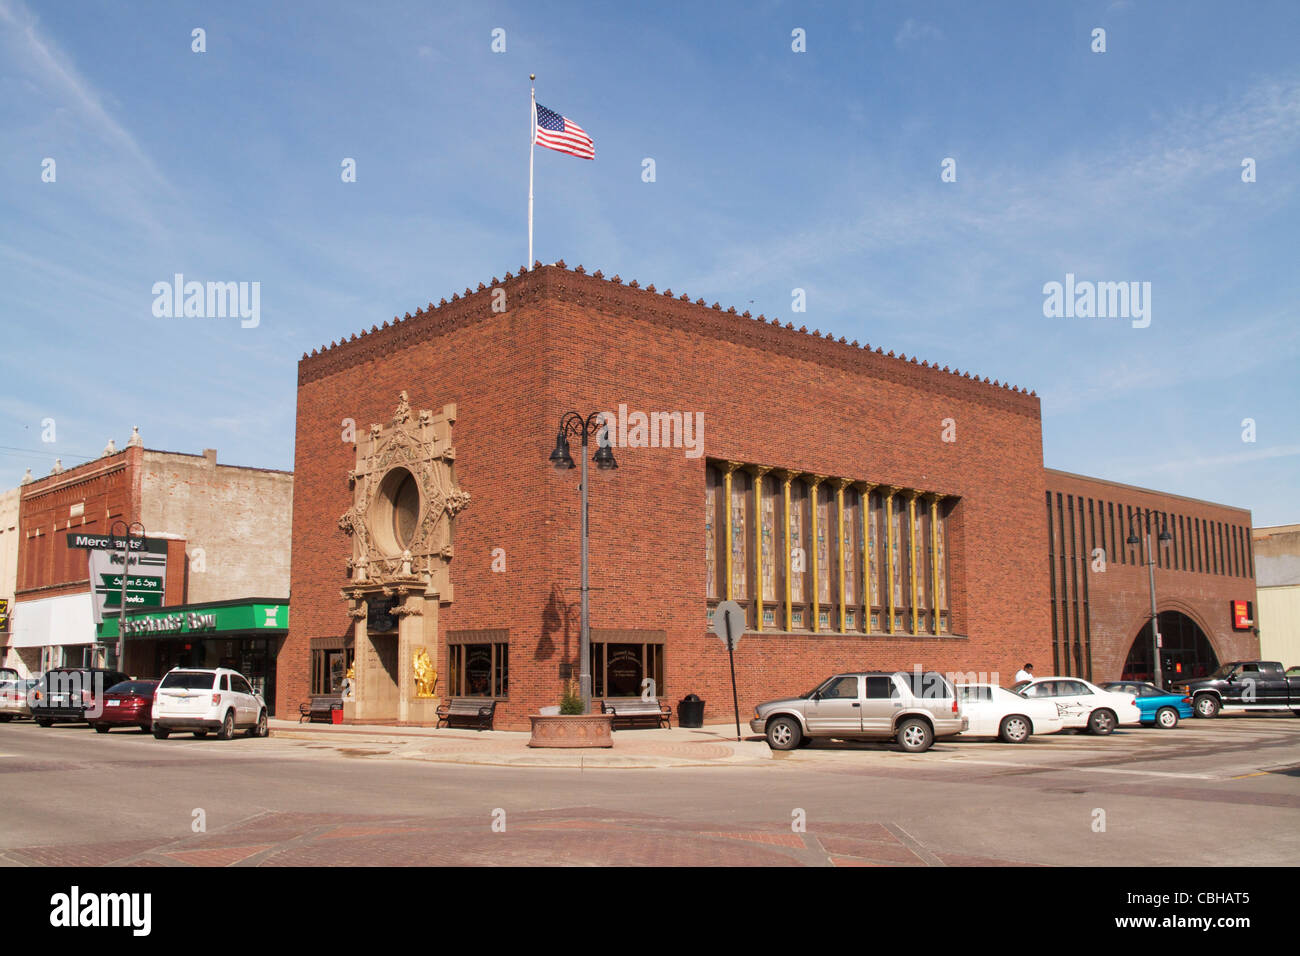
[203,699]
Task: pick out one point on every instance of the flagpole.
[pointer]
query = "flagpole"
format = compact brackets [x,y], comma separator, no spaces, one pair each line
[532,143]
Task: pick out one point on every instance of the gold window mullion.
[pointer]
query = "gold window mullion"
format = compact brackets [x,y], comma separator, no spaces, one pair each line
[839,538]
[935,498]
[865,488]
[911,564]
[758,471]
[889,492]
[730,467]
[786,478]
[812,541]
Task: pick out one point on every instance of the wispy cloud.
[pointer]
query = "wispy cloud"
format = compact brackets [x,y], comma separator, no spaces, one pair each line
[1184,465]
[913,31]
[54,69]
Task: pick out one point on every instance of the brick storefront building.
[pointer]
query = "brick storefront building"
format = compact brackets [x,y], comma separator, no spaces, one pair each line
[1101,590]
[890,512]
[217,540]
[958,456]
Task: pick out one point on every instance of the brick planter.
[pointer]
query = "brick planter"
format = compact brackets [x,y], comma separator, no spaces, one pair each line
[572,730]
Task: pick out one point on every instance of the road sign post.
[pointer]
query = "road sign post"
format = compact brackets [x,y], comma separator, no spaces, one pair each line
[729,624]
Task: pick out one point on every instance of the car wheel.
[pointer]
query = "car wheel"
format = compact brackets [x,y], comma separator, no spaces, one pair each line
[1166,718]
[227,727]
[5,718]
[1101,722]
[914,735]
[1207,705]
[101,728]
[259,728]
[783,733]
[44,723]
[1015,729]
[160,733]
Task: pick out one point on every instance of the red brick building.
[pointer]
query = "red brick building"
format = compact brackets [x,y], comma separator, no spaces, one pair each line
[1101,589]
[54,622]
[868,510]
[915,512]
[216,543]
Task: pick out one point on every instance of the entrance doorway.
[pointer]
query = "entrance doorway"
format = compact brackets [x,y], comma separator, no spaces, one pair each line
[1185,652]
[377,675]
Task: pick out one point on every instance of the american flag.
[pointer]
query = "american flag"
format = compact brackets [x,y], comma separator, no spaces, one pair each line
[562,135]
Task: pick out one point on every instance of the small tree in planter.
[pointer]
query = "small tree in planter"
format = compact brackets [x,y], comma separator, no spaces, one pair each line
[571,700]
[572,726]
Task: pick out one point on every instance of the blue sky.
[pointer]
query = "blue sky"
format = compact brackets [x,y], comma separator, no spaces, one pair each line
[775,170]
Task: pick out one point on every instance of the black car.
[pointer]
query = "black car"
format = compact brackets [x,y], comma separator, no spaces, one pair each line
[68,693]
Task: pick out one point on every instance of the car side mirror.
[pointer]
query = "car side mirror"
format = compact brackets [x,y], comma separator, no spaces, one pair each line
[817,695]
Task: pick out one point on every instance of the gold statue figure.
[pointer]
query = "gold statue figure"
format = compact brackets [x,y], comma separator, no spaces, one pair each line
[426,678]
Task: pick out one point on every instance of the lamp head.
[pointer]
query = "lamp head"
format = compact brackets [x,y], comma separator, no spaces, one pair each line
[560,456]
[604,458]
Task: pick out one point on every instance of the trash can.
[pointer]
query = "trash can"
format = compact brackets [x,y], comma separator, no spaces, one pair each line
[690,711]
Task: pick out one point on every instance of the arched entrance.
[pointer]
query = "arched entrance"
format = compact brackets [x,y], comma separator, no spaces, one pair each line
[1185,650]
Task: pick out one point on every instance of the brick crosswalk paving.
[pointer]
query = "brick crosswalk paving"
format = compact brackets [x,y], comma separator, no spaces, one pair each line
[574,838]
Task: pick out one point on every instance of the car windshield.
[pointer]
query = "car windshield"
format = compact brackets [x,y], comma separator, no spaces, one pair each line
[188,680]
[1019,686]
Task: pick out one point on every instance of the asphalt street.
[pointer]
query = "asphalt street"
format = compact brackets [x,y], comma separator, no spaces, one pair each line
[1219,792]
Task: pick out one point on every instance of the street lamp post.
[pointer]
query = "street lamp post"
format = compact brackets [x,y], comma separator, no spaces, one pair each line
[1146,516]
[128,534]
[571,423]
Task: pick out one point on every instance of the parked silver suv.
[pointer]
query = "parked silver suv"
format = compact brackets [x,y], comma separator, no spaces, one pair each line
[911,707]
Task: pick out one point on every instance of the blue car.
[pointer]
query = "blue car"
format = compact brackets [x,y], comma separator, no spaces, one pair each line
[1159,708]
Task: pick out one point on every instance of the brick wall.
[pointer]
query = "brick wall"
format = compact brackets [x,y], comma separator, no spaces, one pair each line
[1208,564]
[106,490]
[238,517]
[770,396]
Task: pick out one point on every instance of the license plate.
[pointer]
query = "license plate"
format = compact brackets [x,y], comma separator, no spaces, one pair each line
[112,703]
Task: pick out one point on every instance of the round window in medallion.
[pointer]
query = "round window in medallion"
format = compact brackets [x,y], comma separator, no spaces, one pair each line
[406,510]
[395,514]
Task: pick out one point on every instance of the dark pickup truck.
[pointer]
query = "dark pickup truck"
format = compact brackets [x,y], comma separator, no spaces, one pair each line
[1243,686]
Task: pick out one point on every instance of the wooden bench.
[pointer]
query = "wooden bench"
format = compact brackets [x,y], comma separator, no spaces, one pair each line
[634,709]
[319,710]
[475,711]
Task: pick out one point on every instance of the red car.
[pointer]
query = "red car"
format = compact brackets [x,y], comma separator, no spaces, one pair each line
[128,704]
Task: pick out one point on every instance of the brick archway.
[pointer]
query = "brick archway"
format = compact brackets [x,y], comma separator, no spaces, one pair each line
[1188,645]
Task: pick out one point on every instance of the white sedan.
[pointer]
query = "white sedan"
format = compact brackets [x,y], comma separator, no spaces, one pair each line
[996,712]
[1082,704]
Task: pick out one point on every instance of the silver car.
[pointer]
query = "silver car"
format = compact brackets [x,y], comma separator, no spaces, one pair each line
[15,698]
[913,708]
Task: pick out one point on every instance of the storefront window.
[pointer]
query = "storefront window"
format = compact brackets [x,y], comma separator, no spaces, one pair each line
[619,670]
[480,670]
[328,668]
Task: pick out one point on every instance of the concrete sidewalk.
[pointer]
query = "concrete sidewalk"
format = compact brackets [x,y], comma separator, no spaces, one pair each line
[712,745]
